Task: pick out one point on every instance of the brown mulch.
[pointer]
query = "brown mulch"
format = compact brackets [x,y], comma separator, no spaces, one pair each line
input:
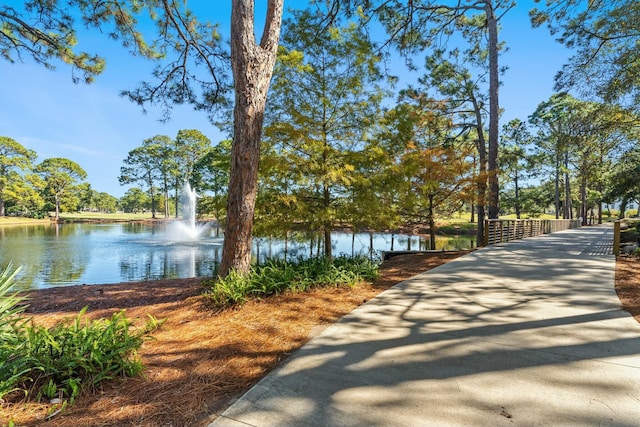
[628,284]
[201,360]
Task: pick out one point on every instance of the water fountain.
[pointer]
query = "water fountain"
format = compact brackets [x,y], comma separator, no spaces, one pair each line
[187,229]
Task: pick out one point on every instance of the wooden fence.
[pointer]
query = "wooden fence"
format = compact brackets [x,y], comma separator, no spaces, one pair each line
[505,230]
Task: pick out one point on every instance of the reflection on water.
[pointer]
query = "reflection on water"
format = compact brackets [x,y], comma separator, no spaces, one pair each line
[72,254]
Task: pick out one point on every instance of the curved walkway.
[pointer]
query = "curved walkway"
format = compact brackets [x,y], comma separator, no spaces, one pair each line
[527,333]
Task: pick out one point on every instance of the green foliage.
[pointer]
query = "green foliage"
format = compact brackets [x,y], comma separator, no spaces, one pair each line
[427,169]
[190,146]
[458,228]
[15,160]
[135,200]
[91,200]
[42,30]
[314,143]
[149,164]
[578,139]
[531,201]
[68,358]
[163,166]
[625,177]
[276,276]
[10,307]
[211,173]
[59,177]
[604,37]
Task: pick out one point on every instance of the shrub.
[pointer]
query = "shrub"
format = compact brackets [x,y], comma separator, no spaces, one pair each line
[275,276]
[68,358]
[11,326]
[10,308]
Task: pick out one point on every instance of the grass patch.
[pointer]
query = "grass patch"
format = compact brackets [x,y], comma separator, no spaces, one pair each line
[101,216]
[457,228]
[277,276]
[525,216]
[19,220]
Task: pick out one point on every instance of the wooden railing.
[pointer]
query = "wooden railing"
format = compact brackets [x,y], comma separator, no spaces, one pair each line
[505,230]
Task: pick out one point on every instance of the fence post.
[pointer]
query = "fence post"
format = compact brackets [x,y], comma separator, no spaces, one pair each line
[486,232]
[616,238]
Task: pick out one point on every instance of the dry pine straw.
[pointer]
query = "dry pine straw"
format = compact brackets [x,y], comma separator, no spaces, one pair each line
[201,360]
[628,284]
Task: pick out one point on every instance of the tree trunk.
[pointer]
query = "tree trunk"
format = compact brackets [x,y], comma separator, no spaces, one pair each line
[166,198]
[600,211]
[517,190]
[472,219]
[557,193]
[623,207]
[176,199]
[432,226]
[481,188]
[370,245]
[152,196]
[600,192]
[494,110]
[252,67]
[327,243]
[473,199]
[583,199]
[567,211]
[326,196]
[353,243]
[481,181]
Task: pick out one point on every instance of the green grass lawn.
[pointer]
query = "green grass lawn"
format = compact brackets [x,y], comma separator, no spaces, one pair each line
[10,220]
[95,216]
[543,216]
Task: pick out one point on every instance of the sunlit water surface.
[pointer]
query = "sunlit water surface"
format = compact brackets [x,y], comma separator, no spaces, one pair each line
[81,253]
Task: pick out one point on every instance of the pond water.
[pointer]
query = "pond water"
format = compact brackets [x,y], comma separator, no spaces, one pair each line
[81,253]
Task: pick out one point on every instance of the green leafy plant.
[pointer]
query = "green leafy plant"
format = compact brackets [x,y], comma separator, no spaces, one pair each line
[68,358]
[10,304]
[12,367]
[71,357]
[233,289]
[276,276]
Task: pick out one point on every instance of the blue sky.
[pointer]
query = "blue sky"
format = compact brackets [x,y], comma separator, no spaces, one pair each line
[95,127]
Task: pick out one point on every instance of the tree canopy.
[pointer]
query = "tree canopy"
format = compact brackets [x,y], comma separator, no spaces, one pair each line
[43,30]
[604,36]
[311,140]
[14,157]
[59,176]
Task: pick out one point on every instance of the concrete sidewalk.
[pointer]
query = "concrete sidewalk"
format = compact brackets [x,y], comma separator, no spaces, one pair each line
[527,333]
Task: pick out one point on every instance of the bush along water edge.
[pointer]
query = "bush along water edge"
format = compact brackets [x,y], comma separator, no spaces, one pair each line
[276,276]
